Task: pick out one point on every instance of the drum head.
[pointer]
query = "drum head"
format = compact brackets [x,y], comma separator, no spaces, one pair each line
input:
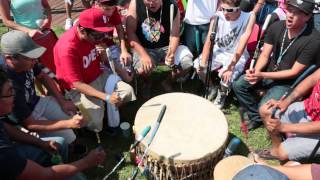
[192,128]
[230,166]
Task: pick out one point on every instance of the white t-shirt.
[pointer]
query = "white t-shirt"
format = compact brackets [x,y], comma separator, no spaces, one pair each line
[229,33]
[199,12]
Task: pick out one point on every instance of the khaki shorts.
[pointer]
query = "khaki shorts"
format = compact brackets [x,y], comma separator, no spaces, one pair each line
[48,109]
[93,108]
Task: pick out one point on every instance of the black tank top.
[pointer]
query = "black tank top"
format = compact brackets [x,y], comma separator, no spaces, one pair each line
[153,40]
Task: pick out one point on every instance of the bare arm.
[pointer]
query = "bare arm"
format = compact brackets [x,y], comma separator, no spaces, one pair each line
[62,171]
[120,32]
[22,137]
[296,69]
[5,16]
[258,6]
[303,88]
[243,41]
[51,125]
[296,172]
[51,87]
[131,30]
[89,90]
[47,13]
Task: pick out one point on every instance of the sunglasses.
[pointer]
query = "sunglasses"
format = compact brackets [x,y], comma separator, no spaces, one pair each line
[230,10]
[97,36]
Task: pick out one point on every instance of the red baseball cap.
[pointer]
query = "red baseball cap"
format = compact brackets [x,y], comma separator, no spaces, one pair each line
[95,19]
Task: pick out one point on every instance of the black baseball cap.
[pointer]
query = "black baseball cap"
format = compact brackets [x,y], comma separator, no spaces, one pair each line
[306,6]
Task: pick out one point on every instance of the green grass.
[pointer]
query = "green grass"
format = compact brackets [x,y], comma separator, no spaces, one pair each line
[120,145]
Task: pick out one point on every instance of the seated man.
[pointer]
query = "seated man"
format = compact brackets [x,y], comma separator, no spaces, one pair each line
[290,46]
[23,159]
[47,115]
[153,41]
[229,52]
[300,119]
[78,68]
[121,57]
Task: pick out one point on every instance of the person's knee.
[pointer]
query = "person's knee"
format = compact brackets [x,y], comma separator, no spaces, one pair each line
[264,111]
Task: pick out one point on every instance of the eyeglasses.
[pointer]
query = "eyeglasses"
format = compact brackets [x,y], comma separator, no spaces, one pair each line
[230,10]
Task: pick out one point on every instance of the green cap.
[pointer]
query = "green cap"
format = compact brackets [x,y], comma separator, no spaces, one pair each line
[18,42]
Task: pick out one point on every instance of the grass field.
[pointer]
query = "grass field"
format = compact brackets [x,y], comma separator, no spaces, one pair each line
[119,145]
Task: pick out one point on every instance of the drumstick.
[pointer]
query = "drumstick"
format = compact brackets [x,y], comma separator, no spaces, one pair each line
[142,135]
[171,23]
[296,82]
[111,62]
[154,131]
[259,44]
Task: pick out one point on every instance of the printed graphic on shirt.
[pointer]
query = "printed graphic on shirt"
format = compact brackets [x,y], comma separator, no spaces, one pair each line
[152,30]
[29,86]
[228,39]
[87,60]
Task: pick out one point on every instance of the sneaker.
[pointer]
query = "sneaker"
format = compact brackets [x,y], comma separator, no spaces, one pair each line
[220,99]
[212,92]
[68,24]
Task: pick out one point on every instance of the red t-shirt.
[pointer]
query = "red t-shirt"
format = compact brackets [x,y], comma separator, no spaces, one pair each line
[112,21]
[312,104]
[75,59]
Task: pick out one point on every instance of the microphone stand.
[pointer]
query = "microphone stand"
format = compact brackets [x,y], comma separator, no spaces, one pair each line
[209,64]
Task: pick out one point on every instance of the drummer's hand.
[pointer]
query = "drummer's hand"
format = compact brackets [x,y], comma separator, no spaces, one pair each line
[125,58]
[226,76]
[146,65]
[115,99]
[46,24]
[33,32]
[101,50]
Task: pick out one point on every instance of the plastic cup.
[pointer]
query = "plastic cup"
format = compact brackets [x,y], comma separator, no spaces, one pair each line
[125,128]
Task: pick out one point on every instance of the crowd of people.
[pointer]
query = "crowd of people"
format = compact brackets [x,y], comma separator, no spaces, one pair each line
[86,75]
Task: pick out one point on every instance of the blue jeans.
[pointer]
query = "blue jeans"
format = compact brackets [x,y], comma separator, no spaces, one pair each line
[192,33]
[39,155]
[248,99]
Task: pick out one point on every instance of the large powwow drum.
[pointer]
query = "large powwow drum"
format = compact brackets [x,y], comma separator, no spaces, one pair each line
[191,138]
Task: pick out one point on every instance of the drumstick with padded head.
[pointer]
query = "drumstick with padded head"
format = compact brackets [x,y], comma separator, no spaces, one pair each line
[296,82]
[171,24]
[139,139]
[154,132]
[244,127]
[259,44]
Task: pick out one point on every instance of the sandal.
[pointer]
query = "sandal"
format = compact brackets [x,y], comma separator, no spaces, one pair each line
[265,154]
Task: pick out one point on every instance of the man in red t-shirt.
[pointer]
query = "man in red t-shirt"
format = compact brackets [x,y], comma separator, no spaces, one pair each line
[299,119]
[78,67]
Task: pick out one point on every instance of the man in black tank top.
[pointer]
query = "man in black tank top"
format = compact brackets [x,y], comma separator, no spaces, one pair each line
[154,38]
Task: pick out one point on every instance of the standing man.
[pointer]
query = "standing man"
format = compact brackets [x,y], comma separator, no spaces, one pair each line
[153,41]
[290,47]
[78,68]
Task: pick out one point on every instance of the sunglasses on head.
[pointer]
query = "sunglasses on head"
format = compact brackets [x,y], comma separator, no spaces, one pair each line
[230,10]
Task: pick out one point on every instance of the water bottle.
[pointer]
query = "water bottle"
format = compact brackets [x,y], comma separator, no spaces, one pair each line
[232,147]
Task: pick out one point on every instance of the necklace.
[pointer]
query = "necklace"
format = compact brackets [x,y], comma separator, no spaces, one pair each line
[283,52]
[153,27]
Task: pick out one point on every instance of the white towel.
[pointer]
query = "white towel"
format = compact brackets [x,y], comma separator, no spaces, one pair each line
[113,112]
